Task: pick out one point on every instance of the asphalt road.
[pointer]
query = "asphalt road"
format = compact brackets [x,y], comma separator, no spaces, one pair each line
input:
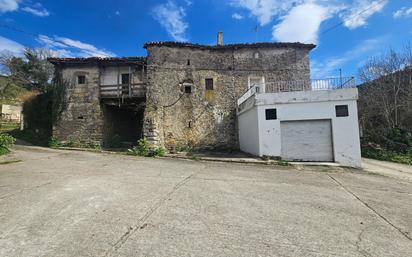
[66,203]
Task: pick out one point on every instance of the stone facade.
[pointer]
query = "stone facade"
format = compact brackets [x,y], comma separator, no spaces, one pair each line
[83,119]
[207,118]
[180,109]
[100,103]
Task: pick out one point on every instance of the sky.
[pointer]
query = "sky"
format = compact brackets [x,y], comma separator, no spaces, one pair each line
[347,32]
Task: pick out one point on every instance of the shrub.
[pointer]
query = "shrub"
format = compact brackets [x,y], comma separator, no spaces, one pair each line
[6,141]
[54,143]
[143,149]
[160,151]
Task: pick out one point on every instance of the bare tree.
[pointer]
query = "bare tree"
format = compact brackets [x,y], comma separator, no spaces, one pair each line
[386,93]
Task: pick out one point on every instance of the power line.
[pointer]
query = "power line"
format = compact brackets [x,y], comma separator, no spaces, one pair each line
[355,16]
[35,35]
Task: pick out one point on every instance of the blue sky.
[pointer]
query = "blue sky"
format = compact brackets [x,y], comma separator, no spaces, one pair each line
[73,28]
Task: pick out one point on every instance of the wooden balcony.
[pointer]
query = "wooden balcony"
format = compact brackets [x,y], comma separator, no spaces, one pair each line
[122,91]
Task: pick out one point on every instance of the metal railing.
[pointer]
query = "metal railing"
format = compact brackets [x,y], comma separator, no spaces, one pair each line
[298,85]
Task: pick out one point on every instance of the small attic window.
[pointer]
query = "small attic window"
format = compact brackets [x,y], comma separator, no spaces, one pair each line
[342,111]
[188,89]
[209,84]
[81,79]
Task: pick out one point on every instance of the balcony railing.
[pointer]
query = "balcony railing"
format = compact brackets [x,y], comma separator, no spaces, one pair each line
[134,90]
[298,85]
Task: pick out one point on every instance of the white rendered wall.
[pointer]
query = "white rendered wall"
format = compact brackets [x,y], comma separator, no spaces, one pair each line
[109,75]
[308,105]
[249,131]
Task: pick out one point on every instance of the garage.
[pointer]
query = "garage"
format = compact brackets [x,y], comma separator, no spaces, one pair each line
[307,140]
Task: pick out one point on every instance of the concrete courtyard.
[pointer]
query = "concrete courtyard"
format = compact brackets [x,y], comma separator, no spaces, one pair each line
[67,203]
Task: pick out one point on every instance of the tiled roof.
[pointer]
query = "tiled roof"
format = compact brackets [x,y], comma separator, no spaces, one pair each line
[136,59]
[230,46]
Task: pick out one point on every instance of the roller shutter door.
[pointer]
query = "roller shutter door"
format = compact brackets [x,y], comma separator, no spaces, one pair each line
[307,140]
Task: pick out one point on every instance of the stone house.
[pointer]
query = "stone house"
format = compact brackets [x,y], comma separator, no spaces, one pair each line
[181,94]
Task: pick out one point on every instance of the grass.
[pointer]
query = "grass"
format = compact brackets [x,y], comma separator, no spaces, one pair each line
[386,155]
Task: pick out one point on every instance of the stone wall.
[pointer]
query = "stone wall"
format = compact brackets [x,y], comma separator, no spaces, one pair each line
[206,118]
[82,120]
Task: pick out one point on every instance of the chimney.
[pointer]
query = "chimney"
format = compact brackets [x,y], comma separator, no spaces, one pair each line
[220,38]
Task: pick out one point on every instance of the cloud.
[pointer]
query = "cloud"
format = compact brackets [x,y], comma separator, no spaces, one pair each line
[37,10]
[9,5]
[66,47]
[8,46]
[171,17]
[310,14]
[330,66]
[265,10]
[404,12]
[237,16]
[360,11]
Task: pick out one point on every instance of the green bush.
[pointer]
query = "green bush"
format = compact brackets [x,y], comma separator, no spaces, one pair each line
[54,143]
[160,151]
[6,141]
[143,149]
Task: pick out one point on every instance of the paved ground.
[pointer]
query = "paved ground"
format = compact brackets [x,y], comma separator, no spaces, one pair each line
[62,203]
[390,169]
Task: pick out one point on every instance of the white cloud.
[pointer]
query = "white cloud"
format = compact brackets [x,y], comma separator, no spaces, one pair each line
[302,23]
[37,10]
[8,46]
[66,47]
[265,10]
[329,67]
[237,16]
[9,5]
[360,11]
[403,12]
[171,17]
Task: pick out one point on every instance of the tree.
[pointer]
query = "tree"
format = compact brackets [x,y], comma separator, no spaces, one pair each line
[386,93]
[32,69]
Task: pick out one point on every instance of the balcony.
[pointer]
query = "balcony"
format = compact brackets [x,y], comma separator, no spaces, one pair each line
[298,85]
[122,91]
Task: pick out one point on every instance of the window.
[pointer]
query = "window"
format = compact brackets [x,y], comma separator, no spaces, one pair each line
[342,111]
[125,78]
[81,79]
[209,84]
[188,62]
[188,89]
[271,114]
[256,81]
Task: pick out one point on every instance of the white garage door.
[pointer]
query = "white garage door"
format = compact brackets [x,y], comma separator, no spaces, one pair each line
[306,140]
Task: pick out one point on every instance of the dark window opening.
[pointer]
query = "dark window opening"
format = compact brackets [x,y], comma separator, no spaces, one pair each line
[190,124]
[209,84]
[188,62]
[271,114]
[125,78]
[81,79]
[188,89]
[80,117]
[342,111]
